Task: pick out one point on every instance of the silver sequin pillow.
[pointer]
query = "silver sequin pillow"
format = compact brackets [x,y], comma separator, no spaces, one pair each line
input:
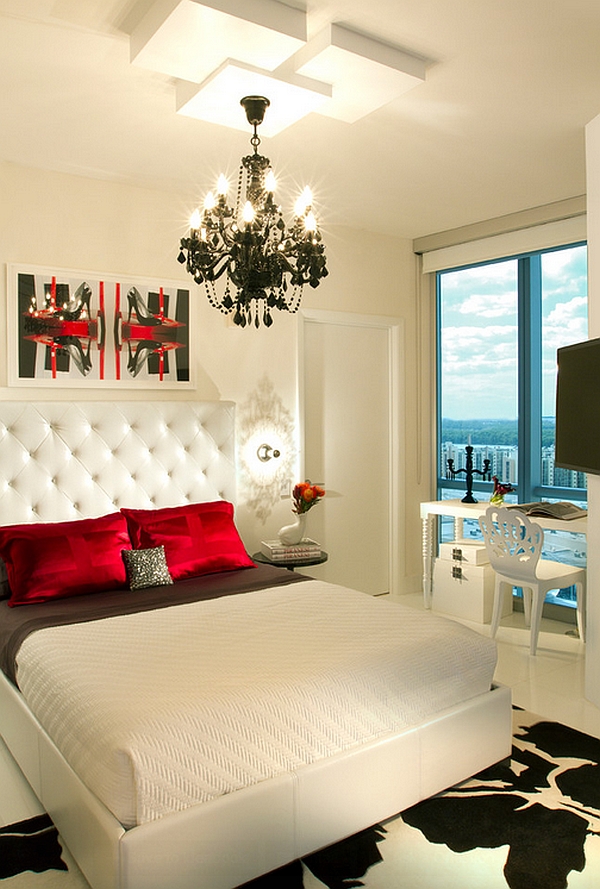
[146,567]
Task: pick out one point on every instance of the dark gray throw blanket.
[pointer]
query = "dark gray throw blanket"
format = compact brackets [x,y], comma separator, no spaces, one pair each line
[18,622]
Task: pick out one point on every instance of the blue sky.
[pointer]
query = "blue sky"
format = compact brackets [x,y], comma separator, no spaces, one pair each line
[479,332]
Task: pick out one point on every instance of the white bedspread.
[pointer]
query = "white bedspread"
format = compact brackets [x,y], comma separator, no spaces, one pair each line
[161,710]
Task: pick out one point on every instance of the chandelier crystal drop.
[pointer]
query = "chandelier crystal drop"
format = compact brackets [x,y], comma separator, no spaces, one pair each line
[264,264]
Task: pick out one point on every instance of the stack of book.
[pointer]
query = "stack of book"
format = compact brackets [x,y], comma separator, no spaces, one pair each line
[280,552]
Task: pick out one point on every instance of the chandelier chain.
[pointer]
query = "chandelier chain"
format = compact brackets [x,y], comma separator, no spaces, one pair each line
[238,199]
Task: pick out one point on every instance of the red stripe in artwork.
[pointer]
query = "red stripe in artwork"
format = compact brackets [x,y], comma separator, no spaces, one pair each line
[118,343]
[101,298]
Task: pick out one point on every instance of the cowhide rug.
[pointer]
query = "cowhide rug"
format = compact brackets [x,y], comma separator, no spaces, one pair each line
[533,823]
[31,856]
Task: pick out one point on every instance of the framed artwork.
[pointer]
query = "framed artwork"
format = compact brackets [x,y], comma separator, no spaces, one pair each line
[85,329]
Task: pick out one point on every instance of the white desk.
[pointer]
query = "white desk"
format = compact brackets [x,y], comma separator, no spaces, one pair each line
[461,511]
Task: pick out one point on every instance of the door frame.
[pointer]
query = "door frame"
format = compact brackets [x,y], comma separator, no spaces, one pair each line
[396,440]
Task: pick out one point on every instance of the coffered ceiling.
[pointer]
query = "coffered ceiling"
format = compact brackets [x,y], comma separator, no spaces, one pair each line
[496,126]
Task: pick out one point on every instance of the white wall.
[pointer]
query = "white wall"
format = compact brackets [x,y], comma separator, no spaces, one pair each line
[592,666]
[61,221]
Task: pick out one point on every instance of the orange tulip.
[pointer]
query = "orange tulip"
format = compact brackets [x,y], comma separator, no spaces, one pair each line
[305,495]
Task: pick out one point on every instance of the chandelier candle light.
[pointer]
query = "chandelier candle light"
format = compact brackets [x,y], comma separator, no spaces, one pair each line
[265,264]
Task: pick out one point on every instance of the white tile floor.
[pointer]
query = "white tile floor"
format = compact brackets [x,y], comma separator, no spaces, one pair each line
[550,684]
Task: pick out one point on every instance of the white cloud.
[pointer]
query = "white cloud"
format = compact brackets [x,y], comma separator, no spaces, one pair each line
[575,310]
[480,371]
[566,323]
[490,305]
[501,275]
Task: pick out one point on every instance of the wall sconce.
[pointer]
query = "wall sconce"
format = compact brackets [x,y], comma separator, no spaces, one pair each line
[266,449]
[265,452]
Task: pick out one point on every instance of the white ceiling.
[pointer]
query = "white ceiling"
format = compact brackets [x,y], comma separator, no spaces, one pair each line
[497,126]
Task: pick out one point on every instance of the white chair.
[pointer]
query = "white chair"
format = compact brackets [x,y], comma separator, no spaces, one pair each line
[514,545]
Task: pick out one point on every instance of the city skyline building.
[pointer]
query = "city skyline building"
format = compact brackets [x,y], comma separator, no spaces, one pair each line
[503,464]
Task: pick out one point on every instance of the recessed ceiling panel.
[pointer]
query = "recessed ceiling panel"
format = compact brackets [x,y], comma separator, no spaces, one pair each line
[217,99]
[365,74]
[188,39]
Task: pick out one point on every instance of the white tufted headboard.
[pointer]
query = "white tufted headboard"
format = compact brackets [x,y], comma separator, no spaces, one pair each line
[68,460]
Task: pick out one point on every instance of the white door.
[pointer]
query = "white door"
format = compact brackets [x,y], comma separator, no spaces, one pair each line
[349,390]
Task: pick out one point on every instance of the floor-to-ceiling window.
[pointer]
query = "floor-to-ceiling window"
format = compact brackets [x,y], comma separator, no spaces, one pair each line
[499,326]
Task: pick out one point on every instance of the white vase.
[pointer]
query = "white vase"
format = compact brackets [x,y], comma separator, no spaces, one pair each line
[289,535]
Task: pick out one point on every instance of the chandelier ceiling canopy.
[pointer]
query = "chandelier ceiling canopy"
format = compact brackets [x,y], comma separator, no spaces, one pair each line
[260,264]
[208,45]
[245,255]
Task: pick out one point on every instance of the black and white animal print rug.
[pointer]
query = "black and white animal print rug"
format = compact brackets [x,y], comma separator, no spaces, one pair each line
[32,857]
[531,823]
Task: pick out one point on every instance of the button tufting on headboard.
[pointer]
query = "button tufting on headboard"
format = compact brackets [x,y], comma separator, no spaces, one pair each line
[60,460]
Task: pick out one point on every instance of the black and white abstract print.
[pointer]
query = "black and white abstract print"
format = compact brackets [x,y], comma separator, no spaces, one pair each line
[531,822]
[30,845]
[340,866]
[544,805]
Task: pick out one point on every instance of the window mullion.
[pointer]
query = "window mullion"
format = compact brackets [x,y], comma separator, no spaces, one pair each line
[530,376]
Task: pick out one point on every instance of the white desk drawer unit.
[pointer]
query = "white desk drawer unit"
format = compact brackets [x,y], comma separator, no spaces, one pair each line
[463,582]
[469,552]
[460,511]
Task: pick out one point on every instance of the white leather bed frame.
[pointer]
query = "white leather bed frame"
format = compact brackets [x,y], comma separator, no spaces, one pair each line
[60,461]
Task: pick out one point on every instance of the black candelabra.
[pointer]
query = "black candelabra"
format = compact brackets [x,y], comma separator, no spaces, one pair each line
[469,473]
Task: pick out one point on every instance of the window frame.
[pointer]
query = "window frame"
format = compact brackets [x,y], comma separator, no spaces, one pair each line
[529,382]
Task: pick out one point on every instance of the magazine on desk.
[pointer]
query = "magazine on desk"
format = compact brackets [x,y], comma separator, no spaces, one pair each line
[562,510]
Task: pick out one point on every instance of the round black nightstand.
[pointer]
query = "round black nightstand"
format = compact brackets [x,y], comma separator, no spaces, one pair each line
[290,564]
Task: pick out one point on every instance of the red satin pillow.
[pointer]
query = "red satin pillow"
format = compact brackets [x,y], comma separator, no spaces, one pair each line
[199,538]
[56,560]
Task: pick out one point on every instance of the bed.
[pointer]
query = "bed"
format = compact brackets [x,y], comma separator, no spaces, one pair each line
[200,733]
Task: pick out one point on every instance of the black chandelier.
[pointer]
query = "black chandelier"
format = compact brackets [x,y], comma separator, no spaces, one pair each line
[265,263]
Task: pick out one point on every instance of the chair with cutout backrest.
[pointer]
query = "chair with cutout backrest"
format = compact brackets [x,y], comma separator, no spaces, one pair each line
[514,546]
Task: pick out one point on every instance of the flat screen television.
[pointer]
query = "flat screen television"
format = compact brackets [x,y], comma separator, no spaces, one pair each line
[578,407]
